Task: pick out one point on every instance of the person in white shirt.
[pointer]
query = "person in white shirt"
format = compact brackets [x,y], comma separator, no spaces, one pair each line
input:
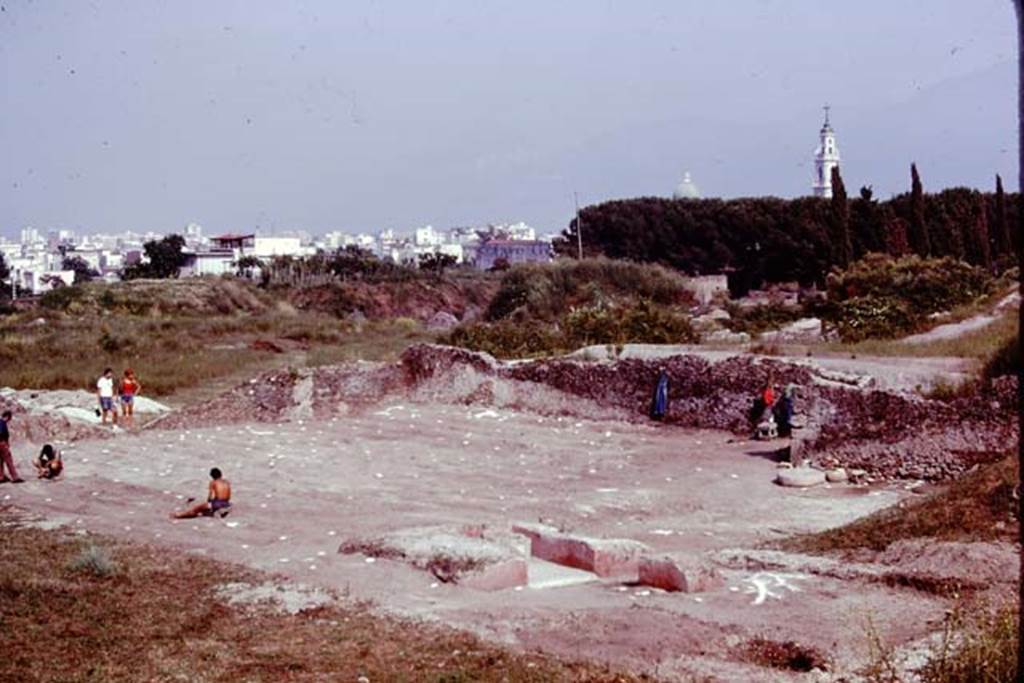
[105,391]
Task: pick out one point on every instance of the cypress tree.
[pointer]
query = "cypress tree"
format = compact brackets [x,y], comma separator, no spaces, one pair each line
[867,225]
[1001,230]
[980,251]
[840,222]
[896,242]
[918,234]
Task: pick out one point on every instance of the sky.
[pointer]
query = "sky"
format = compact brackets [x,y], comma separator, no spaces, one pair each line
[370,114]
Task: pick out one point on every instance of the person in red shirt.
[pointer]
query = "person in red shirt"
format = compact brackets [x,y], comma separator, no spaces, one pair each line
[763,404]
[130,387]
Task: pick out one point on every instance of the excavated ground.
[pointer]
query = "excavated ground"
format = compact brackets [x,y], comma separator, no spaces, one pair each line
[420,470]
[303,489]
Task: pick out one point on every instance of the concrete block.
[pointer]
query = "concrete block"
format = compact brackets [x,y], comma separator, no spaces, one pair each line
[677,575]
[604,557]
[497,576]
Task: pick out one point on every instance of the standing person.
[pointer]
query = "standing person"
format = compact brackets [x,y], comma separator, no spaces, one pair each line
[763,404]
[105,392]
[6,459]
[129,388]
[218,499]
[659,402]
[784,410]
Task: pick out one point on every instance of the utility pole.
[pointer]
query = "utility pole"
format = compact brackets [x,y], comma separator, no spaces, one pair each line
[579,227]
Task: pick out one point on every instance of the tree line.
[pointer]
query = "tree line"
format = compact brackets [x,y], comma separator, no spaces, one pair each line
[767,239]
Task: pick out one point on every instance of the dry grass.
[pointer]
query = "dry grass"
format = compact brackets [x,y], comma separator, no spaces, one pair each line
[979,344]
[979,646]
[157,618]
[173,353]
[978,507]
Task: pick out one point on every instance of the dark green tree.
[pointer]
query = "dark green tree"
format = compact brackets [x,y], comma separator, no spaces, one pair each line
[867,224]
[918,232]
[949,216]
[436,262]
[839,222]
[1001,229]
[5,271]
[978,249]
[164,259]
[896,241]
[83,271]
[245,266]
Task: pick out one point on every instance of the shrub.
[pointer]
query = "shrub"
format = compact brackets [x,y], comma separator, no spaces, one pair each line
[113,344]
[927,285]
[61,298]
[872,317]
[644,322]
[506,339]
[981,646]
[880,297]
[757,319]
[1005,361]
[547,291]
[93,560]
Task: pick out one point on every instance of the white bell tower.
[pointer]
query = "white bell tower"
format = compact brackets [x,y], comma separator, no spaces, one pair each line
[826,157]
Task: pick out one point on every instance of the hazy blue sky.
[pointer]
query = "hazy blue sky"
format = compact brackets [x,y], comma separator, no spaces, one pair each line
[363,114]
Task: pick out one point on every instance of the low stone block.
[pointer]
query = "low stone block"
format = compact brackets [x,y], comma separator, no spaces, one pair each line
[498,576]
[837,475]
[800,477]
[604,557]
[675,575]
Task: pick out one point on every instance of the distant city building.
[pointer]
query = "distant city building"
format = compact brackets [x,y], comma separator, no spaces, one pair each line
[39,281]
[427,237]
[212,262]
[512,252]
[687,189]
[259,246]
[513,231]
[826,157]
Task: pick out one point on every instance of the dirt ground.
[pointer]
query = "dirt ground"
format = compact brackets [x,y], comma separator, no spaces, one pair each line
[301,489]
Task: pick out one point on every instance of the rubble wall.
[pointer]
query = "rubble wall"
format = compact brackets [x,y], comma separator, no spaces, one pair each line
[889,434]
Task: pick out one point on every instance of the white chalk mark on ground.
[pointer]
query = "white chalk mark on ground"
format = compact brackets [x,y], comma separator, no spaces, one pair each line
[770,585]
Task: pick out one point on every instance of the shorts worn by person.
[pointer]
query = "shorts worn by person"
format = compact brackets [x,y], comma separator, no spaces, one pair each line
[49,464]
[6,459]
[218,499]
[105,392]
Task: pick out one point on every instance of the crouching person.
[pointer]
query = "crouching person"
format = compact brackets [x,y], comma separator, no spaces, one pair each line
[49,464]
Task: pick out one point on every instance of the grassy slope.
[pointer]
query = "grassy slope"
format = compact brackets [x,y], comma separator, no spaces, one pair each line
[62,624]
[981,643]
[180,335]
[978,507]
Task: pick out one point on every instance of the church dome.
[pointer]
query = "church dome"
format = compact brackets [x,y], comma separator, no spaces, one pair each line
[686,189]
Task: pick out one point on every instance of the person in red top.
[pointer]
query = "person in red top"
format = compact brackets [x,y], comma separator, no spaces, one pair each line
[763,404]
[129,388]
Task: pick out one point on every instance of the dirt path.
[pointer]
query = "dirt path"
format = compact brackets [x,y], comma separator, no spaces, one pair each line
[958,329]
[894,373]
[303,488]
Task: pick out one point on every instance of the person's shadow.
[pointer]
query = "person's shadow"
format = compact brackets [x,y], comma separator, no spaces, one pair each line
[779,454]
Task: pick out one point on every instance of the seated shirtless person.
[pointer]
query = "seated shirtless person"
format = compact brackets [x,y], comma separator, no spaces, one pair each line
[218,499]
